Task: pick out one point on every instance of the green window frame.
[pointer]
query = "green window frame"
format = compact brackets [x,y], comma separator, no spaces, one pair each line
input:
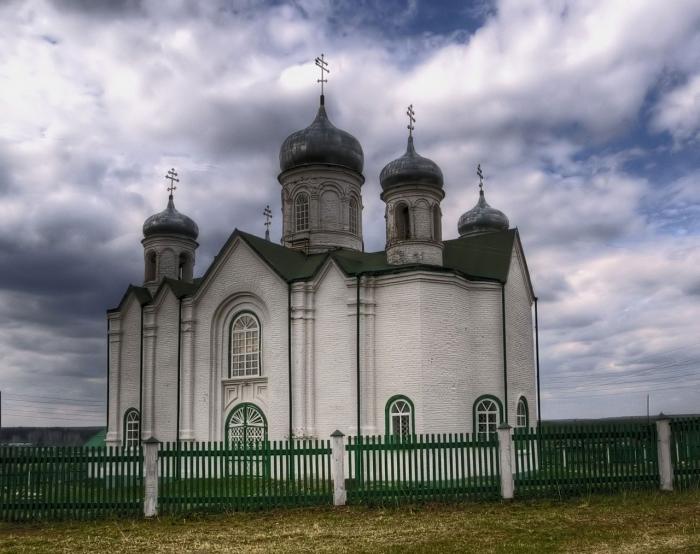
[246,424]
[399,417]
[132,428]
[486,427]
[522,413]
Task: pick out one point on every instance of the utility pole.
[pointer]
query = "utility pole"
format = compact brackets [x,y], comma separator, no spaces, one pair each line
[647,407]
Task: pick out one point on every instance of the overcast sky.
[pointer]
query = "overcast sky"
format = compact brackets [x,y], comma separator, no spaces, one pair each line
[584,115]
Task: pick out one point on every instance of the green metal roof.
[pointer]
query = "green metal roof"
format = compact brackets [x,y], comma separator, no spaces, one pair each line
[483,257]
[98,439]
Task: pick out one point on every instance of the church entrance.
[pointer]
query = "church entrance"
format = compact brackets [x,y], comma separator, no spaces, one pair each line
[245,425]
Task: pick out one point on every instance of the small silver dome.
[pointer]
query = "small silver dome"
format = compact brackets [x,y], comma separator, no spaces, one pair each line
[411,168]
[321,143]
[482,218]
[170,222]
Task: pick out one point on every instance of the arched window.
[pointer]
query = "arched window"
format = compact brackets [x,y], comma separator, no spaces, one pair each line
[352,216]
[487,416]
[437,223]
[402,221]
[301,212]
[245,346]
[132,428]
[521,414]
[400,419]
[150,266]
[245,425]
[183,267]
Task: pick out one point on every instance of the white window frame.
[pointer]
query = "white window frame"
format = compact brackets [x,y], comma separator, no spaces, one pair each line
[487,418]
[246,352]
[521,415]
[401,419]
[353,216]
[132,429]
[301,212]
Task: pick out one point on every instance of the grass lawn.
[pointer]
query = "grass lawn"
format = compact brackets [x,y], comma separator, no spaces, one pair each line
[631,522]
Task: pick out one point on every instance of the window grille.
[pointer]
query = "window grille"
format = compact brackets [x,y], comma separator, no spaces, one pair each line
[353,216]
[486,419]
[245,346]
[301,210]
[400,419]
[521,413]
[132,425]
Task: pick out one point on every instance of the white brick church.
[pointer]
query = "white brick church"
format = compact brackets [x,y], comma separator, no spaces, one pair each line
[315,334]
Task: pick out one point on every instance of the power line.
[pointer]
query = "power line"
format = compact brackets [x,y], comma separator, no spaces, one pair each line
[53,398]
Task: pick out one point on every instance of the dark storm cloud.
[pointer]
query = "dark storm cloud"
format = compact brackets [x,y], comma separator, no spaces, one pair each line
[101,98]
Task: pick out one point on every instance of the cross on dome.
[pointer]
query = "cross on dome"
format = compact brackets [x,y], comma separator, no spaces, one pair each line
[411,120]
[480,174]
[172,176]
[323,65]
[267,212]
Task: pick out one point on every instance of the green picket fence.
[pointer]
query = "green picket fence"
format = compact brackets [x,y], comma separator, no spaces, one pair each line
[421,467]
[574,459]
[212,476]
[38,483]
[685,452]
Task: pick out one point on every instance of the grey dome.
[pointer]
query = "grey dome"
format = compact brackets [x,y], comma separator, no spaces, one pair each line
[411,168]
[170,222]
[321,143]
[482,218]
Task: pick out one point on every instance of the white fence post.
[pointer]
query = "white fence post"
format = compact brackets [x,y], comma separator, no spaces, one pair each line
[663,450]
[150,476]
[338,469]
[505,456]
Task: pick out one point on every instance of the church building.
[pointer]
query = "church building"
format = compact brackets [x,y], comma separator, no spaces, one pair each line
[301,338]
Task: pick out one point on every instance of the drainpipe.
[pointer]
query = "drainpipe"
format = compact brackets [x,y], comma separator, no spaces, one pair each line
[179,371]
[107,376]
[505,353]
[357,352]
[289,353]
[537,358]
[141,379]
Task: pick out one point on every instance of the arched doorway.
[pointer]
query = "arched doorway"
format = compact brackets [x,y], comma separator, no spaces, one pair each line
[245,425]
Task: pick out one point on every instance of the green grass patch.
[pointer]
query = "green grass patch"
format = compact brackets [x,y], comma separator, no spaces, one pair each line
[629,522]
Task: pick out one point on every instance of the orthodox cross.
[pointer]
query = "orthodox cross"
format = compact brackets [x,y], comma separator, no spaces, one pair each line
[323,65]
[480,174]
[267,212]
[411,119]
[172,175]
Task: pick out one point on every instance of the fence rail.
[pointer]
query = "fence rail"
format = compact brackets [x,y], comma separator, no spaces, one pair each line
[69,482]
[214,476]
[685,452]
[573,459]
[422,467]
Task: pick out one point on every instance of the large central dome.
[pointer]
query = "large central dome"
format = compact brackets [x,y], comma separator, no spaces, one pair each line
[321,143]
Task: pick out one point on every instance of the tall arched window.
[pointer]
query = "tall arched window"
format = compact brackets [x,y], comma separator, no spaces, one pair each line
[487,416]
[245,425]
[437,223]
[352,216]
[400,417]
[132,428]
[521,414]
[183,267]
[150,266]
[245,346]
[301,212]
[402,221]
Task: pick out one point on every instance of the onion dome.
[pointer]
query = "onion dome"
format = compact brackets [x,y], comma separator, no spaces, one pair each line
[482,218]
[410,169]
[170,222]
[321,143]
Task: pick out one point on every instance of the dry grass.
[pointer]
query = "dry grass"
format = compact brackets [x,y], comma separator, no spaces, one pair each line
[637,522]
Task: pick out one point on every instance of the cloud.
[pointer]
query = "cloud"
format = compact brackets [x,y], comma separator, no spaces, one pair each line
[678,112]
[555,99]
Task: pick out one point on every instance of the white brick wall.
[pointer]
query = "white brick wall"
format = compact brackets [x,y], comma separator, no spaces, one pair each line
[437,339]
